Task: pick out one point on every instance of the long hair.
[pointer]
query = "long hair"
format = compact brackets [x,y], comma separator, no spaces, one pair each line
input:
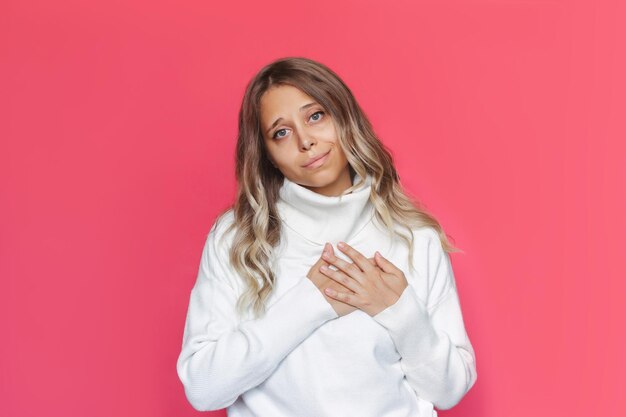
[256,222]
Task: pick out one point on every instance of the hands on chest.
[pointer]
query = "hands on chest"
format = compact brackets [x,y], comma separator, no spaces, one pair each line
[369,284]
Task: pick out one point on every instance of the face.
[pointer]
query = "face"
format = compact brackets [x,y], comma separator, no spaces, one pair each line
[297,132]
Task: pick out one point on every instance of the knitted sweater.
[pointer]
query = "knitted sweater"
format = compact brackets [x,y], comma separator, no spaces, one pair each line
[301,359]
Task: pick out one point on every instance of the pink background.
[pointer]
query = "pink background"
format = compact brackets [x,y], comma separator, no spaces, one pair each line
[118,126]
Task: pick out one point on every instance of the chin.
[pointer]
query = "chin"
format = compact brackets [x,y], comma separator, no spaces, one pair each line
[319,179]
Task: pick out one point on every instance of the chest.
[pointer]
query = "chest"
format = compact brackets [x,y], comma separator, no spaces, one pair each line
[355,338]
[296,257]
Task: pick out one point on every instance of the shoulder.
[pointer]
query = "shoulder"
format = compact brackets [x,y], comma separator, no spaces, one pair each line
[215,255]
[426,239]
[222,231]
[433,264]
[426,234]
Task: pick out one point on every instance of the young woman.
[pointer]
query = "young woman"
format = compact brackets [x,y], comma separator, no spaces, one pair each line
[324,290]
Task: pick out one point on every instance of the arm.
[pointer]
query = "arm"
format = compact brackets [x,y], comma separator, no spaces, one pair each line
[220,358]
[437,356]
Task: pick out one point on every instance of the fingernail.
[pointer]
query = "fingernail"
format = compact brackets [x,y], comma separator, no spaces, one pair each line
[341,244]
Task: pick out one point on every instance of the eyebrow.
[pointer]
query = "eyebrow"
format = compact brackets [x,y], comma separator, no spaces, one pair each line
[306,106]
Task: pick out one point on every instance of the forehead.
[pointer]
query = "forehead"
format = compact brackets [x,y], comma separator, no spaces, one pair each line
[282,100]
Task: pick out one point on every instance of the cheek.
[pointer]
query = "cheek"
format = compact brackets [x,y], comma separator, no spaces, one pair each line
[338,150]
[330,132]
[341,157]
[275,157]
[283,156]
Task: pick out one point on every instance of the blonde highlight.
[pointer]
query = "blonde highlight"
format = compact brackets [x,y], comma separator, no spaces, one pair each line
[257,225]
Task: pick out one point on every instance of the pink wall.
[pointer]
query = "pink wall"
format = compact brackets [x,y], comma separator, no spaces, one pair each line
[117,129]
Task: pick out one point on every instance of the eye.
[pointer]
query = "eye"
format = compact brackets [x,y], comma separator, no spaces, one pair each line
[317,112]
[276,136]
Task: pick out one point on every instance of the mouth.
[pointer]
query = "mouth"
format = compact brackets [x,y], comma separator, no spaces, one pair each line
[317,161]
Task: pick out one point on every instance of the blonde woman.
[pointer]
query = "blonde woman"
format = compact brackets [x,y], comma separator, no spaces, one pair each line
[324,290]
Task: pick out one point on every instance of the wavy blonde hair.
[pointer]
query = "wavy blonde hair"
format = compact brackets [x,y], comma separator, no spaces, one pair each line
[256,222]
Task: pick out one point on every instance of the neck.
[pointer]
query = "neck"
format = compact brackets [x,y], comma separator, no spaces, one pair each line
[319,218]
[336,188]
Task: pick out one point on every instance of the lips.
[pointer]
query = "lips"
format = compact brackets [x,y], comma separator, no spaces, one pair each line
[318,157]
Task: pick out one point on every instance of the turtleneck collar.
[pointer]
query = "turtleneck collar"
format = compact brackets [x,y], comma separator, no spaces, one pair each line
[319,218]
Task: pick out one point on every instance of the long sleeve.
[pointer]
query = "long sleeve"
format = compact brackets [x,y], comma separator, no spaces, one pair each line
[221,358]
[436,354]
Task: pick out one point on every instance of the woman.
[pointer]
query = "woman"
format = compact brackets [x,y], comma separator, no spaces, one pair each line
[285,321]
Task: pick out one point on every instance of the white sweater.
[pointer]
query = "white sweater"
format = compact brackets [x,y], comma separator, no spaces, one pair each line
[301,359]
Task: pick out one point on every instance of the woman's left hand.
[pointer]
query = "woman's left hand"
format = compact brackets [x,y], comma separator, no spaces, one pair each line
[372,294]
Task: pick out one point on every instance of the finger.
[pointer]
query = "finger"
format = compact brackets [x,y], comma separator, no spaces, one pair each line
[331,250]
[348,268]
[342,296]
[328,252]
[385,264]
[322,261]
[356,256]
[342,278]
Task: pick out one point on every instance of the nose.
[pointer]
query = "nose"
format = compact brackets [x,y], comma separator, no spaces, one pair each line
[305,140]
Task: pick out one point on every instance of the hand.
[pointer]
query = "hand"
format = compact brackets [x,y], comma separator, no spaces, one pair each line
[321,281]
[392,275]
[397,282]
[395,278]
[372,288]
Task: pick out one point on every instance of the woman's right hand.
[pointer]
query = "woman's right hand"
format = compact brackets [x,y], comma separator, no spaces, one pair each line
[322,281]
